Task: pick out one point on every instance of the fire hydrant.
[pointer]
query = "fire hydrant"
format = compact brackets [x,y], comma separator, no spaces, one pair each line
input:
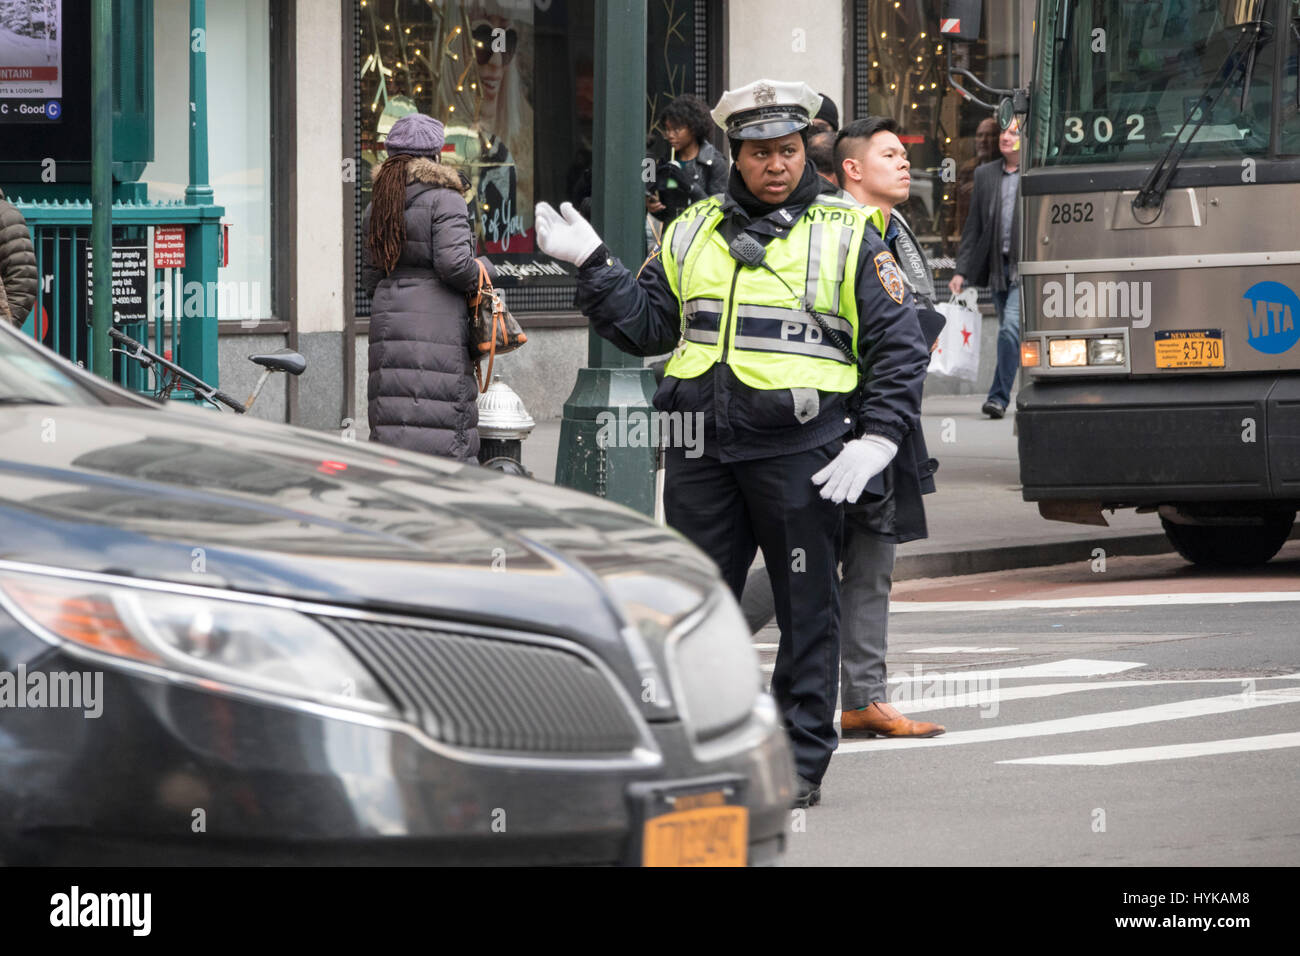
[503,424]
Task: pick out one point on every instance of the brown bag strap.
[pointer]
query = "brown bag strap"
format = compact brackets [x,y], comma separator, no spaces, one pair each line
[475,301]
[483,280]
[486,380]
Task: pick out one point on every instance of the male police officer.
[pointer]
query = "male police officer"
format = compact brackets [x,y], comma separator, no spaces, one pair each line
[872,166]
[779,301]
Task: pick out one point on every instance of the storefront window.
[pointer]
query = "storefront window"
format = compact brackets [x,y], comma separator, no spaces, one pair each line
[901,72]
[512,81]
[239,137]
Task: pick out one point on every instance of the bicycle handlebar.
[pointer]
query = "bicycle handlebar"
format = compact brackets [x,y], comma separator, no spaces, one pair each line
[138,352]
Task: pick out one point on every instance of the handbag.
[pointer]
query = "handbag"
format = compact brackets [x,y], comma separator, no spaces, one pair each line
[493,330]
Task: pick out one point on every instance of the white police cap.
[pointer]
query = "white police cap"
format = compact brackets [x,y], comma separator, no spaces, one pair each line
[766,109]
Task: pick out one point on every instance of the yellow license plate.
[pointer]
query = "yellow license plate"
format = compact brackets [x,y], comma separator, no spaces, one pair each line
[1190,348]
[697,834]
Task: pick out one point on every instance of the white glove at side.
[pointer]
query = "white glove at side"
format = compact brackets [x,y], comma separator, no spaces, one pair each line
[859,461]
[565,235]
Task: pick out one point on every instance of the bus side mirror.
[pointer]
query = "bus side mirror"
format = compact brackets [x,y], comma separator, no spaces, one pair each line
[961,20]
[1006,113]
[1013,109]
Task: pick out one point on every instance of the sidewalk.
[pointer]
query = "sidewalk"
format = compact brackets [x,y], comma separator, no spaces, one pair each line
[978,521]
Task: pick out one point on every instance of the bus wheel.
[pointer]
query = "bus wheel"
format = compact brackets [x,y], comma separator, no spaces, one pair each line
[1230,546]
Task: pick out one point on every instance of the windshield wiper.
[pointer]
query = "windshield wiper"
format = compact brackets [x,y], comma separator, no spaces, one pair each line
[1152,193]
[24,400]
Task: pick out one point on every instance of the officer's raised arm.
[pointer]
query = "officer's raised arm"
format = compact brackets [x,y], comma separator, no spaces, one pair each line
[638,314]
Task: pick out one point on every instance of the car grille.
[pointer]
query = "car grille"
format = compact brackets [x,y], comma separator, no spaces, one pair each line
[490,694]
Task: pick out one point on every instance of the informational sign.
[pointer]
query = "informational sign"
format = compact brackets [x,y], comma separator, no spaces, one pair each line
[169,247]
[31,61]
[130,282]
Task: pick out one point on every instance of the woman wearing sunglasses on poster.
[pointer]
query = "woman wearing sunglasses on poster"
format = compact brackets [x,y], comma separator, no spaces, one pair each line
[505,189]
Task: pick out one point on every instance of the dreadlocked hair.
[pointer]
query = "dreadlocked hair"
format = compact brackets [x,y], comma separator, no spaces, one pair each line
[388,212]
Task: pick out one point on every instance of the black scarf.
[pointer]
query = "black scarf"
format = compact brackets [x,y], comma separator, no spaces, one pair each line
[740,199]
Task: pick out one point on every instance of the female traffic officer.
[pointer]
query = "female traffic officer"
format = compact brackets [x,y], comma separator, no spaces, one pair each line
[781,302]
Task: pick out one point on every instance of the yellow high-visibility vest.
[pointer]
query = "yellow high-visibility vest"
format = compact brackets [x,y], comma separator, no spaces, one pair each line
[749,318]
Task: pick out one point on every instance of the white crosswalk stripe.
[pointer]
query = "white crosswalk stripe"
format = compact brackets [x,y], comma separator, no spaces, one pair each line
[1109,758]
[1098,601]
[1102,720]
[984,698]
[920,691]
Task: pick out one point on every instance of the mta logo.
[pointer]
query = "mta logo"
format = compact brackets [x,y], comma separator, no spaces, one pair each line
[1274,308]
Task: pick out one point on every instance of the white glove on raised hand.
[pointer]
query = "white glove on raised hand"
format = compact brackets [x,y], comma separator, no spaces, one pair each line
[565,235]
[859,461]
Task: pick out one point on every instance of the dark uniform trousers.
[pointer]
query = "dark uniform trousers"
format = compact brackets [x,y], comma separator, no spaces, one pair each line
[729,510]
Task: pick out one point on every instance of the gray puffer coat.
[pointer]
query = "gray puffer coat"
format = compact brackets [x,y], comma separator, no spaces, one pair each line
[421,392]
[17,261]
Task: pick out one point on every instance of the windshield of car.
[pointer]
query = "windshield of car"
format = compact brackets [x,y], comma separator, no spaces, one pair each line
[29,377]
[1119,77]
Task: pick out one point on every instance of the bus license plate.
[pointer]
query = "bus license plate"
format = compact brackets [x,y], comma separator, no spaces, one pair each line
[713,834]
[1189,348]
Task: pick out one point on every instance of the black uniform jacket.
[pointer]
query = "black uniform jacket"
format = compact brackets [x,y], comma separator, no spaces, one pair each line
[893,509]
[642,317]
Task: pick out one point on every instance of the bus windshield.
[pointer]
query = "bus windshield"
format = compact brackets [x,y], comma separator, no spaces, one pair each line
[1117,78]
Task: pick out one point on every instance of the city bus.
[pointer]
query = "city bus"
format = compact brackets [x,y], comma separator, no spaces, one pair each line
[1160,266]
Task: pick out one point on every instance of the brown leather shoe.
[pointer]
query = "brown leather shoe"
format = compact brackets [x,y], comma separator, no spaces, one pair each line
[883,720]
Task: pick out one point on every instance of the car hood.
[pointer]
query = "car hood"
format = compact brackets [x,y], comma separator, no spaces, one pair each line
[197,497]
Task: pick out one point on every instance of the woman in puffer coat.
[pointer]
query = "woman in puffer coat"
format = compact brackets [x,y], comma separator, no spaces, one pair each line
[417,266]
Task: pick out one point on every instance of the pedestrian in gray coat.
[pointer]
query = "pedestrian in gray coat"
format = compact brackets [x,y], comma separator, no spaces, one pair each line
[17,263]
[418,264]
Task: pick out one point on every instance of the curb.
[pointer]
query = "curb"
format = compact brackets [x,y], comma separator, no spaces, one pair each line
[759,609]
[942,564]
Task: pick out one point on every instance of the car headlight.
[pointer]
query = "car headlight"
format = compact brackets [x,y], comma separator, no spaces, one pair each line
[715,666]
[695,660]
[652,606]
[226,644]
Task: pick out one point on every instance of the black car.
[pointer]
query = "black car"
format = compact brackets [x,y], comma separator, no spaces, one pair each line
[229,641]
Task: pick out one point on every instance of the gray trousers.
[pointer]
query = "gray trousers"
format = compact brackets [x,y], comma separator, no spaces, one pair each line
[866,577]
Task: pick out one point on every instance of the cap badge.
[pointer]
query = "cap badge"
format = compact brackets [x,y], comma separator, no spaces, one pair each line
[764,95]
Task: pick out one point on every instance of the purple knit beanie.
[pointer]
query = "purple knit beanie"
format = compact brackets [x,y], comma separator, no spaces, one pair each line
[416,135]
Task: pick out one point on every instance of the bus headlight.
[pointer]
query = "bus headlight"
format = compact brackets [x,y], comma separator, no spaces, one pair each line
[1067,353]
[1105,351]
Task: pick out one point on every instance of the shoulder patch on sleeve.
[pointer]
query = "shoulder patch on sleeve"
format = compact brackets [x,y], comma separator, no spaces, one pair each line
[891,277]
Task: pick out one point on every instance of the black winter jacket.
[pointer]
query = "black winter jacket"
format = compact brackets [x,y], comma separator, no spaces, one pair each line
[17,261]
[643,317]
[894,509]
[421,391]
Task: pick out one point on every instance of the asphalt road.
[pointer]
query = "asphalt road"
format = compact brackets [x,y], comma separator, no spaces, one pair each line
[1147,713]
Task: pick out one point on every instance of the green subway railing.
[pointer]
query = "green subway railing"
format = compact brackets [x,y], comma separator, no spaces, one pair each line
[60,318]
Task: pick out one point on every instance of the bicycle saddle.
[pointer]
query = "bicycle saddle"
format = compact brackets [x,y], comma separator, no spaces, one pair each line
[281,360]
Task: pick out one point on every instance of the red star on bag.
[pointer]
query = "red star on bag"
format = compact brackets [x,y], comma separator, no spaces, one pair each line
[965,336]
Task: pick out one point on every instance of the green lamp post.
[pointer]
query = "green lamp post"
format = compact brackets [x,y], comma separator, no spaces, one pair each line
[101,187]
[614,383]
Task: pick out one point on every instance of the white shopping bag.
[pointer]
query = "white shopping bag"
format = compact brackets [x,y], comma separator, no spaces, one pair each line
[958,350]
